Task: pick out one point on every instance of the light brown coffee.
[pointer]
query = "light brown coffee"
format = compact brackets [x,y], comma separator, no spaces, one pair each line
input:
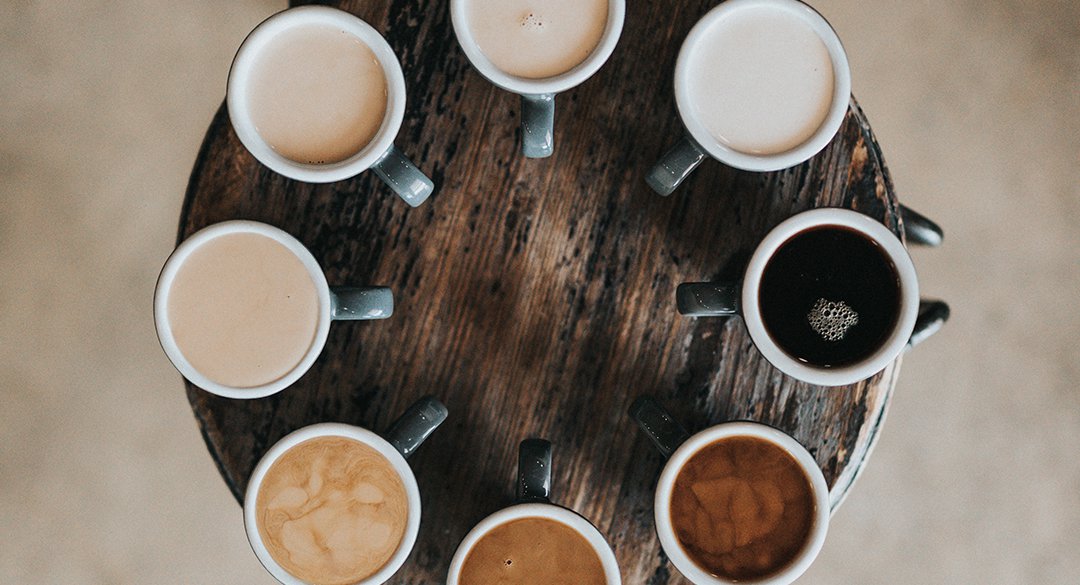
[243,310]
[532,551]
[332,511]
[317,94]
[742,508]
[537,39]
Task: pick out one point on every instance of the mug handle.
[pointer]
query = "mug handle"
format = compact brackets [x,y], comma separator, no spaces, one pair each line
[919,229]
[676,164]
[657,423]
[360,303]
[534,471]
[401,175]
[708,299]
[537,125]
[416,425]
[932,315]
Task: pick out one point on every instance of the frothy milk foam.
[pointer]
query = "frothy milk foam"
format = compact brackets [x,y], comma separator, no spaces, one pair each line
[317,94]
[537,39]
[760,80]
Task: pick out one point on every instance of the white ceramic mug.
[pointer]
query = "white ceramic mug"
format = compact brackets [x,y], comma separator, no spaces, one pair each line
[402,439]
[675,444]
[379,154]
[335,303]
[538,95]
[732,298]
[534,491]
[688,153]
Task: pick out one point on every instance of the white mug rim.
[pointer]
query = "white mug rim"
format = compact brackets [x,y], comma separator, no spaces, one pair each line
[236,97]
[548,85]
[909,296]
[782,160]
[361,435]
[168,275]
[548,511]
[665,485]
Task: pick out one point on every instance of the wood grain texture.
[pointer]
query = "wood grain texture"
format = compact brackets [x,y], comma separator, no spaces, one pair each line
[536,297]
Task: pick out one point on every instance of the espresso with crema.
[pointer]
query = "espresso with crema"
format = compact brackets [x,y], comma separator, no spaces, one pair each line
[332,511]
[760,80]
[243,310]
[317,94]
[742,508]
[537,39]
[532,551]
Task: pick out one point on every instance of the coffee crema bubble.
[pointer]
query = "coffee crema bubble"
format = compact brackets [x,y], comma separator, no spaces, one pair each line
[832,319]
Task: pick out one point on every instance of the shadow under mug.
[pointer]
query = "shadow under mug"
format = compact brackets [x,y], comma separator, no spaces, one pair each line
[399,442]
[678,447]
[533,501]
[681,160]
[914,323]
[380,154]
[338,303]
[538,95]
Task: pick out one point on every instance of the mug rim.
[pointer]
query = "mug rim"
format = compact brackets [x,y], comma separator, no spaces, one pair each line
[548,85]
[907,312]
[548,511]
[236,95]
[361,435]
[817,141]
[666,484]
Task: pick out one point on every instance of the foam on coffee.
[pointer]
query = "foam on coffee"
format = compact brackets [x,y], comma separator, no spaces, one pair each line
[537,40]
[332,511]
[532,551]
[243,310]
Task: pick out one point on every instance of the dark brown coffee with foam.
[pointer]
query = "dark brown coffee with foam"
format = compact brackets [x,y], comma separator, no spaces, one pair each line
[532,551]
[742,508]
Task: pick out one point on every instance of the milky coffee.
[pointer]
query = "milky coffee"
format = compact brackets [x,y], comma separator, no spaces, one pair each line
[537,39]
[742,508]
[317,94]
[760,80]
[532,551]
[243,310]
[332,511]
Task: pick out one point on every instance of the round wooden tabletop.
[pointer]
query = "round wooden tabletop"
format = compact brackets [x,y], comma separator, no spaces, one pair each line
[536,298]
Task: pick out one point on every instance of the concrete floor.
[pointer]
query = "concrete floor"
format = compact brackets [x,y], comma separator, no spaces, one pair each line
[104,477]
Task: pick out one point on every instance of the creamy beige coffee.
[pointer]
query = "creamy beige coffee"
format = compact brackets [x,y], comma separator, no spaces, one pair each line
[243,310]
[332,511]
[537,39]
[532,551]
[317,94]
[760,80]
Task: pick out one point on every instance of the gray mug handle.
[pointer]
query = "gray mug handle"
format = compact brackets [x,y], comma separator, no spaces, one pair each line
[932,315]
[415,425]
[534,471]
[658,424]
[919,229]
[537,125]
[349,303]
[676,164]
[397,171]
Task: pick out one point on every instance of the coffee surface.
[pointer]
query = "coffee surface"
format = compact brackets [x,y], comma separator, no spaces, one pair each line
[830,297]
[243,310]
[760,80]
[332,511]
[742,508]
[317,94]
[537,39]
[532,551]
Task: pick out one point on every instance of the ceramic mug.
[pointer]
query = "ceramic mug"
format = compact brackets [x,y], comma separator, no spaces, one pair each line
[691,150]
[534,501]
[337,303]
[678,447]
[399,442]
[538,95]
[380,155]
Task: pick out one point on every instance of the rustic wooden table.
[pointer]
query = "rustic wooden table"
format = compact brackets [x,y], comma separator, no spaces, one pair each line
[536,298]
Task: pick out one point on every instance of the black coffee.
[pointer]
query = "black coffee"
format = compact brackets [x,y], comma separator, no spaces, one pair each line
[830,296]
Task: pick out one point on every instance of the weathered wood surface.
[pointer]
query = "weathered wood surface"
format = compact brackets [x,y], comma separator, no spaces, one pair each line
[537,297]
